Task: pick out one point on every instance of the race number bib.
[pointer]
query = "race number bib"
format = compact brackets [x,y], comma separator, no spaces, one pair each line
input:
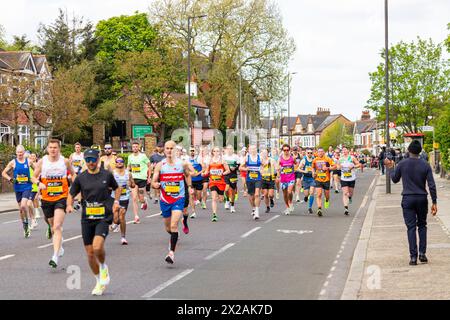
[54,188]
[124,190]
[233,180]
[95,211]
[22,179]
[135,168]
[216,174]
[287,170]
[172,188]
[253,175]
[347,174]
[77,163]
[322,175]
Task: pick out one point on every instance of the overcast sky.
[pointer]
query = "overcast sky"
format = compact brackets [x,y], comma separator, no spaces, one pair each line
[338,41]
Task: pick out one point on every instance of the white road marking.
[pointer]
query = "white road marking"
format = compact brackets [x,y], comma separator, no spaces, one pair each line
[7,257]
[9,222]
[272,219]
[154,215]
[295,231]
[163,286]
[228,246]
[323,292]
[245,235]
[65,240]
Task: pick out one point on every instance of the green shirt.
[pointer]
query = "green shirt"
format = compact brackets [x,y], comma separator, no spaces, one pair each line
[138,166]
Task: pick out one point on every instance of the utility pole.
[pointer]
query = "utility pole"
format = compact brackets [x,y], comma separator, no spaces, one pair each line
[388,138]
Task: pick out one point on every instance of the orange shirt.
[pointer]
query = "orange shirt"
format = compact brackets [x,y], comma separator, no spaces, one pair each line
[216,178]
[319,164]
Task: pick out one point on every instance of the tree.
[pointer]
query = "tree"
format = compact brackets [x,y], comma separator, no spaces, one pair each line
[21,43]
[147,79]
[443,136]
[243,37]
[3,42]
[337,134]
[67,43]
[419,78]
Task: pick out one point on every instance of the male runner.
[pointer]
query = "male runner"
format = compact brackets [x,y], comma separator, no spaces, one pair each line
[76,160]
[108,161]
[156,158]
[347,164]
[269,175]
[125,182]
[252,166]
[204,159]
[140,171]
[51,175]
[231,179]
[169,176]
[22,185]
[286,169]
[298,175]
[322,165]
[95,184]
[308,179]
[197,181]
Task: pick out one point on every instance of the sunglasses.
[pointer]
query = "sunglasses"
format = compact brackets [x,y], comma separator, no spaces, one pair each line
[108,148]
[90,160]
[120,161]
[286,150]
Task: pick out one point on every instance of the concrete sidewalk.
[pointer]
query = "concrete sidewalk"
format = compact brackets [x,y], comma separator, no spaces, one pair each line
[8,202]
[380,267]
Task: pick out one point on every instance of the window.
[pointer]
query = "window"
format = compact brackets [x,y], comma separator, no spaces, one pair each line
[298,128]
[284,129]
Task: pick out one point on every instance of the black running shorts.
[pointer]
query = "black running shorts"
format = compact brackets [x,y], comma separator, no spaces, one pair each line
[92,228]
[49,207]
[350,184]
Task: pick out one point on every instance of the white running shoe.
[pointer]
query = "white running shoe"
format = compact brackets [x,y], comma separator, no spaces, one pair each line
[197,202]
[287,211]
[232,209]
[292,208]
[227,205]
[104,276]
[256,216]
[98,290]
[193,215]
[61,252]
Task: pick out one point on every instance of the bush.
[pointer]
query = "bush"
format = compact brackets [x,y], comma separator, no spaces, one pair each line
[125,157]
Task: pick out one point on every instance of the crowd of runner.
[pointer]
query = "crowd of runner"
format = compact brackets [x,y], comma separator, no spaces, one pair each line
[101,187]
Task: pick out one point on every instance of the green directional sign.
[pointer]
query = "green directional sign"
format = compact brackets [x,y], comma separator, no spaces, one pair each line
[139,131]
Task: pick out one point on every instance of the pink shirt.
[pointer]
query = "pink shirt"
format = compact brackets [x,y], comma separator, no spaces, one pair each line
[287,170]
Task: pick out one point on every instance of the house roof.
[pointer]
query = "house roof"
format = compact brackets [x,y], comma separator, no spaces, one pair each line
[16,60]
[194,102]
[39,61]
[362,126]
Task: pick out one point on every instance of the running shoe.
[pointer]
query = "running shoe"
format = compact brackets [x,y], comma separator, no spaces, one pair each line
[144,206]
[26,231]
[137,220]
[48,233]
[197,202]
[232,209]
[104,276]
[287,211]
[185,228]
[310,210]
[35,224]
[193,215]
[214,218]
[346,212]
[256,216]
[114,227]
[292,208]
[98,290]
[336,191]
[327,204]
[77,207]
[170,258]
[297,198]
[227,205]
[203,205]
[61,252]
[272,204]
[53,263]
[267,210]
[319,212]
[124,241]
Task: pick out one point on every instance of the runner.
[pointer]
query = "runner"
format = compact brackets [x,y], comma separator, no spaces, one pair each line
[231,179]
[51,175]
[33,205]
[108,161]
[286,171]
[275,155]
[22,186]
[347,163]
[322,165]
[197,182]
[308,179]
[298,174]
[216,170]
[336,172]
[204,159]
[76,160]
[253,166]
[243,173]
[125,182]
[140,171]
[95,184]
[156,158]
[169,176]
[269,175]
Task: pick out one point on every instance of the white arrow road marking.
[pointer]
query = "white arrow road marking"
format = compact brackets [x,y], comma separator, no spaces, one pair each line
[295,231]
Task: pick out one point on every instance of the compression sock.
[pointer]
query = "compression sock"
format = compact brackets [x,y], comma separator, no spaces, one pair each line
[173,240]
[311,201]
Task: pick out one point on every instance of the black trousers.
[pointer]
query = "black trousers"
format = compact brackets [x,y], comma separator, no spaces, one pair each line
[415,210]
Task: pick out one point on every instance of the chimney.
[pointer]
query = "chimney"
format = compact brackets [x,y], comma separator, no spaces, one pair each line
[323,111]
[365,115]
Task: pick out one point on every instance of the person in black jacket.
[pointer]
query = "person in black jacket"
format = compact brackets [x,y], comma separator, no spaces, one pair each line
[415,173]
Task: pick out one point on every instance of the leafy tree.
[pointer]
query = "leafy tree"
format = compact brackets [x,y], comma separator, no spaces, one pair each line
[419,79]
[66,43]
[337,134]
[21,43]
[442,136]
[3,42]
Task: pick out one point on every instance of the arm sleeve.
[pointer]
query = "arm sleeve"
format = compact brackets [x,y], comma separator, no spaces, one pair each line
[75,188]
[431,184]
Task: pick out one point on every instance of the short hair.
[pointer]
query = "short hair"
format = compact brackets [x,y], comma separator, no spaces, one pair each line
[52,141]
[286,145]
[320,148]
[20,148]
[77,144]
[136,142]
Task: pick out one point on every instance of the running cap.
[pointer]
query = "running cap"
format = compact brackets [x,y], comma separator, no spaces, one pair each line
[160,145]
[91,153]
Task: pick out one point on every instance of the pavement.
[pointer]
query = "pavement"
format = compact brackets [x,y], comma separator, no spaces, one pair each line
[7,202]
[294,257]
[380,269]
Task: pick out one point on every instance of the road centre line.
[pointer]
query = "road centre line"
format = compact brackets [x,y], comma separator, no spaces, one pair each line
[161,287]
[7,257]
[245,235]
[223,249]
[65,240]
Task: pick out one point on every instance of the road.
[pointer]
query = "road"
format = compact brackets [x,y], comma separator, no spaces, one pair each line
[292,257]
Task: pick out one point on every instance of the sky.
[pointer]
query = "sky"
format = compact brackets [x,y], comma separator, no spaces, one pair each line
[338,41]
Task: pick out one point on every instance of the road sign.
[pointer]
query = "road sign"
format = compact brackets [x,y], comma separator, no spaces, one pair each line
[427,128]
[139,131]
[391,125]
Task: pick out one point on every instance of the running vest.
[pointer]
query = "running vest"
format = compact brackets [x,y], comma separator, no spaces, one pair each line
[139,166]
[172,181]
[268,172]
[308,169]
[198,168]
[35,187]
[22,177]
[346,173]
[216,171]
[319,165]
[54,176]
[287,173]
[77,162]
[122,181]
[254,169]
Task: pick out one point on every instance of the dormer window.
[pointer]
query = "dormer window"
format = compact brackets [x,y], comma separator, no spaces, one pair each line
[284,129]
[298,128]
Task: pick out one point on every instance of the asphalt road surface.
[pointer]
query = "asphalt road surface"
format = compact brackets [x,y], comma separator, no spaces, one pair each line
[294,257]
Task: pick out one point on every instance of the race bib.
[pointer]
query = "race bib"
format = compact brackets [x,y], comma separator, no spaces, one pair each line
[172,188]
[253,175]
[322,175]
[55,188]
[135,168]
[347,174]
[308,169]
[95,211]
[77,163]
[22,179]
[287,170]
[233,180]
[124,191]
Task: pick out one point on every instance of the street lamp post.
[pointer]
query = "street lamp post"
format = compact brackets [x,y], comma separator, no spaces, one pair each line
[386,44]
[190,18]
[289,107]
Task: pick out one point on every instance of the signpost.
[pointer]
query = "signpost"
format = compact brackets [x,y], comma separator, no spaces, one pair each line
[139,131]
